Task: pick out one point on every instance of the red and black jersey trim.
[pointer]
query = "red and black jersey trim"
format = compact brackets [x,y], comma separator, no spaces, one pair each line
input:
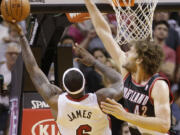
[170,93]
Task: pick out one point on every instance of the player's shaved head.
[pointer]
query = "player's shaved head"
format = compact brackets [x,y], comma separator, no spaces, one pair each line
[73,80]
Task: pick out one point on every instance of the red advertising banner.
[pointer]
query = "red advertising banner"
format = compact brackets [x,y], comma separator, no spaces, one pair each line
[38,122]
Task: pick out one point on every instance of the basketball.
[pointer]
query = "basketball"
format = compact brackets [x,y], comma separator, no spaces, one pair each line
[16,10]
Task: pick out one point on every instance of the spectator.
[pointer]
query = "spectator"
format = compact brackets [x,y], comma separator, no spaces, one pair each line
[9,35]
[75,32]
[95,43]
[85,26]
[92,41]
[67,41]
[5,70]
[91,34]
[172,41]
[4,33]
[100,54]
[160,35]
[175,16]
[112,19]
[176,111]
[12,37]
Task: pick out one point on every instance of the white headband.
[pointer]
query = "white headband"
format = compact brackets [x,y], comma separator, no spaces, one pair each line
[78,91]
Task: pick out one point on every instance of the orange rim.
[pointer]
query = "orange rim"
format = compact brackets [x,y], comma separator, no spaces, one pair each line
[77,17]
[122,4]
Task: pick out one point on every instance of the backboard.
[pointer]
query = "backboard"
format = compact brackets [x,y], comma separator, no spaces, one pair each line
[57,6]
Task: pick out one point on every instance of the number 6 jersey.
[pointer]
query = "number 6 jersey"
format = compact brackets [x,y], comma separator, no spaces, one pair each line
[81,116]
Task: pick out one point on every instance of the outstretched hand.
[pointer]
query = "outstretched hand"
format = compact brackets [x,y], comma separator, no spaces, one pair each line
[113,108]
[16,27]
[84,56]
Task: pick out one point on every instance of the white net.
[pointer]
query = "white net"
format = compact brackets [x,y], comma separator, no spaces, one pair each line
[134,23]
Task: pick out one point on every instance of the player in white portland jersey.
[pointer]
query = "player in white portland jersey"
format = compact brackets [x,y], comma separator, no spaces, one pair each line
[76,117]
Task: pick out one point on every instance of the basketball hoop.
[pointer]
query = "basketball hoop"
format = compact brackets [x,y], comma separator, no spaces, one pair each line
[77,17]
[124,3]
[134,20]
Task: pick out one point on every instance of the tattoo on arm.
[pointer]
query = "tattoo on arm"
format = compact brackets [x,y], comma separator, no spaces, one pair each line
[108,72]
[116,89]
[38,78]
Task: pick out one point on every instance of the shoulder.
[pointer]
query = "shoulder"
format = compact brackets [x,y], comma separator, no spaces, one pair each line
[56,92]
[160,84]
[160,89]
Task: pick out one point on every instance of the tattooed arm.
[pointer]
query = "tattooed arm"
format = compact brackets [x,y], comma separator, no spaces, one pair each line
[103,30]
[116,89]
[48,91]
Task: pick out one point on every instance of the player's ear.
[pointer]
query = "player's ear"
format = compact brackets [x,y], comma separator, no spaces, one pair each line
[139,60]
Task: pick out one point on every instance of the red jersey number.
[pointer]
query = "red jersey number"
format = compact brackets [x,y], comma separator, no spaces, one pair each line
[83,130]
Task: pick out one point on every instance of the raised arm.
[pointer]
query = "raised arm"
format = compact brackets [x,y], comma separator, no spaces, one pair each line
[116,89]
[104,32]
[48,91]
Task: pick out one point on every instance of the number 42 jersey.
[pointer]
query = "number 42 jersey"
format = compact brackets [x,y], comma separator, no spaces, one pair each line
[81,116]
[137,98]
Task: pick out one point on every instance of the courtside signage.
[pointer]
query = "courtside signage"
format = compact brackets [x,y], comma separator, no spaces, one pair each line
[38,122]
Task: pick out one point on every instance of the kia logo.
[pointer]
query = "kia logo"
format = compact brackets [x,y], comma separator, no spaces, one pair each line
[45,127]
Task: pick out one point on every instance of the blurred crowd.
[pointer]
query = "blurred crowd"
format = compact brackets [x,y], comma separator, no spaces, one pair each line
[166,33]
[9,50]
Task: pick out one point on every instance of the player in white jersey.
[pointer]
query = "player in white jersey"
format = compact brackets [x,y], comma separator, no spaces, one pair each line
[74,118]
[80,115]
[83,115]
